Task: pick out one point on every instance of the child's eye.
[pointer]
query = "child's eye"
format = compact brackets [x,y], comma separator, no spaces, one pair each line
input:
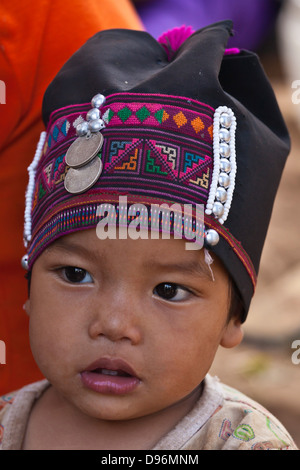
[171,291]
[76,275]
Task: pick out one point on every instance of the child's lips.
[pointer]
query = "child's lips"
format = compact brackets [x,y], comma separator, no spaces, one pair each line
[110,376]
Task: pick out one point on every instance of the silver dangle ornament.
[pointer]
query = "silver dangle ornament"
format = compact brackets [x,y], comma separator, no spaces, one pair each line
[24,262]
[211,237]
[82,155]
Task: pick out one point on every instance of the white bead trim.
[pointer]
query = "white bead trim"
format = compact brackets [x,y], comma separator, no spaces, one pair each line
[30,188]
[222,111]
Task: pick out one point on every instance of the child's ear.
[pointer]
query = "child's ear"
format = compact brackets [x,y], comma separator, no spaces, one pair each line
[233,334]
[26,307]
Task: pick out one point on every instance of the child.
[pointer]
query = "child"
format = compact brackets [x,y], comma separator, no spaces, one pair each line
[125,326]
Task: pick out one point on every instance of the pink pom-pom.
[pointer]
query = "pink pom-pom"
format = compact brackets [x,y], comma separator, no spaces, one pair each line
[174,38]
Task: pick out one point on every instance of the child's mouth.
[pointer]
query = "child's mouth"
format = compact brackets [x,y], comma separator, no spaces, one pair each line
[110,376]
[114,373]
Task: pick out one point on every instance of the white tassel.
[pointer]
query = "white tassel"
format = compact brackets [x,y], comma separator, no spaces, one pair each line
[208,260]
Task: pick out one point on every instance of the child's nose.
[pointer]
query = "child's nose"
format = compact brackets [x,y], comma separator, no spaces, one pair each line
[117,320]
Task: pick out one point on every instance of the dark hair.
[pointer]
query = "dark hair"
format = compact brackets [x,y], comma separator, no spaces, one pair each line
[28,277]
[236,307]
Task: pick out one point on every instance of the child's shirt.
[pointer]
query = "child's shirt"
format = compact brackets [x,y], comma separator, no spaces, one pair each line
[222,419]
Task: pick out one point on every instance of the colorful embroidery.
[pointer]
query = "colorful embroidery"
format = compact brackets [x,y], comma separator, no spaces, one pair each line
[42,191]
[244,432]
[6,399]
[266,445]
[226,430]
[191,160]
[59,132]
[151,167]
[270,424]
[204,181]
[155,146]
[134,113]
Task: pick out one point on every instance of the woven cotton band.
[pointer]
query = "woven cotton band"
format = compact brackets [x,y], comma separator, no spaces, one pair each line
[156,149]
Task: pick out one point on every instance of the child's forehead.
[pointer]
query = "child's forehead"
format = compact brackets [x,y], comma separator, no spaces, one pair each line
[151,254]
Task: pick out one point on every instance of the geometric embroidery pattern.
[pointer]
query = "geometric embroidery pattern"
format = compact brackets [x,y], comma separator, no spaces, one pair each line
[151,114]
[203,181]
[152,166]
[131,164]
[59,132]
[171,154]
[158,146]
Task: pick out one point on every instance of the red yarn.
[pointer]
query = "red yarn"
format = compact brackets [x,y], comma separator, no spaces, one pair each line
[172,39]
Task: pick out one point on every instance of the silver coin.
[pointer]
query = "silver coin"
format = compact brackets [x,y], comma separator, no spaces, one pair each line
[78,180]
[83,150]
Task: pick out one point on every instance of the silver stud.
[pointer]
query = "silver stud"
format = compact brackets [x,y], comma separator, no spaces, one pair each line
[224,135]
[93,114]
[211,237]
[98,100]
[82,129]
[97,125]
[224,149]
[221,194]
[24,262]
[218,209]
[225,120]
[225,165]
[224,180]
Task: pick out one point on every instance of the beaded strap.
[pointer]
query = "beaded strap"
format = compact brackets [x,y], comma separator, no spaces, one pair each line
[30,188]
[224,171]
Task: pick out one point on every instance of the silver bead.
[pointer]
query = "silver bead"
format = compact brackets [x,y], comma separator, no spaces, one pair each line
[225,120]
[224,180]
[97,125]
[211,237]
[224,135]
[24,262]
[224,149]
[221,194]
[225,165]
[218,209]
[82,129]
[93,114]
[98,100]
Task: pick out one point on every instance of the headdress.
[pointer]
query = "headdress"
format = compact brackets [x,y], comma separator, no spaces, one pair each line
[193,124]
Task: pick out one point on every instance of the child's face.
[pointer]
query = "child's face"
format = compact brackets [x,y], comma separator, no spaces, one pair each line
[134,329]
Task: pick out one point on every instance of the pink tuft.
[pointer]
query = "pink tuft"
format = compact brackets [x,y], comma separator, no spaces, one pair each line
[233,50]
[174,38]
